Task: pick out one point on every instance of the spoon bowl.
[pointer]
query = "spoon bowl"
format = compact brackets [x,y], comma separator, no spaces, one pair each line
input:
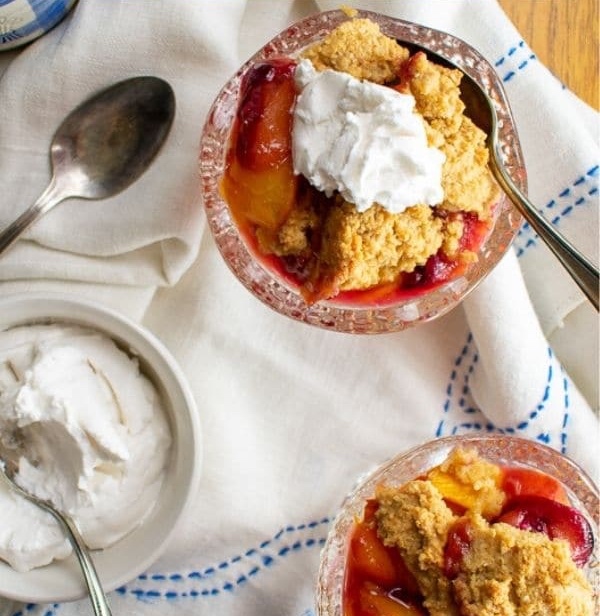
[103,146]
[480,109]
[8,470]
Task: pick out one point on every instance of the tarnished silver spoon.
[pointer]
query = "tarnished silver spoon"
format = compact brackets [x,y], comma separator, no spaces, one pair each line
[8,470]
[103,146]
[481,110]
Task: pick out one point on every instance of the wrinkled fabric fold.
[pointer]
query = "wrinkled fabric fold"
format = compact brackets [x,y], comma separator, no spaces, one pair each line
[292,415]
[159,219]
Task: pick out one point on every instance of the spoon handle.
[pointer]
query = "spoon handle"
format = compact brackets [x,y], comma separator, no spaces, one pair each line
[583,272]
[48,199]
[97,596]
[8,468]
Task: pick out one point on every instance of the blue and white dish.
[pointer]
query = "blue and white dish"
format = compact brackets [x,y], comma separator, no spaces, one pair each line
[22,21]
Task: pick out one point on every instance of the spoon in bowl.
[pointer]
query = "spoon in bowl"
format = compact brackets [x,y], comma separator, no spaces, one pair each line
[480,109]
[103,146]
[8,470]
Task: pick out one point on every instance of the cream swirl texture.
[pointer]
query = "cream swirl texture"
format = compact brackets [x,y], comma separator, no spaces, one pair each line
[89,432]
[364,141]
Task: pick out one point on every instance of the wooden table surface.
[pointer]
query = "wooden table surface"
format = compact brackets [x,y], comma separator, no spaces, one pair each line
[564,36]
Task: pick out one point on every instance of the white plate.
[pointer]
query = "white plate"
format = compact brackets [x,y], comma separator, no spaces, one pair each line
[122,562]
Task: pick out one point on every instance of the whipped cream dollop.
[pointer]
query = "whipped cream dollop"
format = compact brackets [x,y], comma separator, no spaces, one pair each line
[89,432]
[363,140]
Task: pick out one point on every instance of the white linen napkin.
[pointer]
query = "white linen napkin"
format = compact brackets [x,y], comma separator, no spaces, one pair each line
[148,234]
[291,414]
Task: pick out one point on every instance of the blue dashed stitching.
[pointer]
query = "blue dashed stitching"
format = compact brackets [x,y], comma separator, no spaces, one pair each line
[266,561]
[510,52]
[566,416]
[228,586]
[489,426]
[591,173]
[31,606]
[567,210]
[453,375]
[522,64]
[540,406]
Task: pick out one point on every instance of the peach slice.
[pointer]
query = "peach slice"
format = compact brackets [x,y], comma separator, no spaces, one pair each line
[259,183]
[455,491]
[529,482]
[264,116]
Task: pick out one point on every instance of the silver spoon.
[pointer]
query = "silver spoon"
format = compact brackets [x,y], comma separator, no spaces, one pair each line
[8,469]
[103,146]
[481,110]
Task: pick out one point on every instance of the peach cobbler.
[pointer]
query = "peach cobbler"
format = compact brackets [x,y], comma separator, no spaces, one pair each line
[398,197]
[470,538]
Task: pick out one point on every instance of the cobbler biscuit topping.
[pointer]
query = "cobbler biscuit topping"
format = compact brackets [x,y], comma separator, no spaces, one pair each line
[509,571]
[359,48]
[329,238]
[470,538]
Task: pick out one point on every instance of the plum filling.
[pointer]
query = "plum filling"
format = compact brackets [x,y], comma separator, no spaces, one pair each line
[468,513]
[300,234]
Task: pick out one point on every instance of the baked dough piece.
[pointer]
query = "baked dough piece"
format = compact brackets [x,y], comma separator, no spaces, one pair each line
[504,571]
[359,48]
[416,520]
[511,572]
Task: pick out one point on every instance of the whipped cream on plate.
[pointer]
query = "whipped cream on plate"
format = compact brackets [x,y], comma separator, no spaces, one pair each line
[89,432]
[363,140]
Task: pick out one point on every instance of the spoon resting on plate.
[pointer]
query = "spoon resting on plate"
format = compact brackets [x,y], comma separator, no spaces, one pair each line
[480,109]
[103,146]
[8,470]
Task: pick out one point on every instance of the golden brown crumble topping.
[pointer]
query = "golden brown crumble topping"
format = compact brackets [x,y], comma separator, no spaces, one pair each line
[437,93]
[416,520]
[360,250]
[505,571]
[359,48]
[375,246]
[510,572]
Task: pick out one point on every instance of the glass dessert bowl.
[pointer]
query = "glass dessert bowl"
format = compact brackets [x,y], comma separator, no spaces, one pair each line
[428,286]
[456,491]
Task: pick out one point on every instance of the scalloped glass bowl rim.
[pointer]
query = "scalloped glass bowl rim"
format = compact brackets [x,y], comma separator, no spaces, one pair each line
[270,288]
[510,450]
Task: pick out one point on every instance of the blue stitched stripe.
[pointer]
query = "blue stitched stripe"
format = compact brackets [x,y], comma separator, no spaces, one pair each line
[228,585]
[265,561]
[462,402]
[566,417]
[568,209]
[512,55]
